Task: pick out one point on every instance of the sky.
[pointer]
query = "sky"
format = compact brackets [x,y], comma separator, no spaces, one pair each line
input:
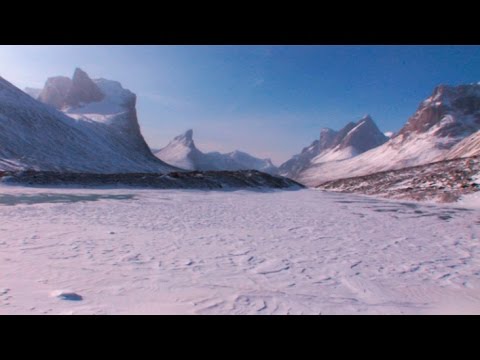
[270,101]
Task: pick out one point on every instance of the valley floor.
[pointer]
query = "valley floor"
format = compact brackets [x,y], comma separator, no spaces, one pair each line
[136,251]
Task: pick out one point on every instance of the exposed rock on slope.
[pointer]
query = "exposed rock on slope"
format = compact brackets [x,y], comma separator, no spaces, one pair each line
[443,181]
[440,122]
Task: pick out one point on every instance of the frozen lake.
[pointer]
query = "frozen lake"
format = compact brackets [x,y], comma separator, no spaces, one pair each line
[86,251]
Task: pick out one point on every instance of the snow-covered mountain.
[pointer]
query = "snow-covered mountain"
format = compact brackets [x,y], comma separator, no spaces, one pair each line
[248,161]
[449,115]
[182,152]
[350,141]
[96,131]
[291,168]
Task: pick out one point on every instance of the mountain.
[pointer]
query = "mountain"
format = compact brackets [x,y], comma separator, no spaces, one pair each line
[291,168]
[449,115]
[55,91]
[350,141]
[90,135]
[182,152]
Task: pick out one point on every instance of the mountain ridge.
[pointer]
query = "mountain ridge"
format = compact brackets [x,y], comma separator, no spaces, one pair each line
[183,153]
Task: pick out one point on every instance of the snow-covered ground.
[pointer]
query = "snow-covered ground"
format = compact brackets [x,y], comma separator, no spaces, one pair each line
[86,251]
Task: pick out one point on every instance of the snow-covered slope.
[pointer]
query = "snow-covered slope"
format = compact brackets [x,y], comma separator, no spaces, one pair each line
[37,136]
[470,146]
[137,251]
[350,141]
[441,121]
[182,152]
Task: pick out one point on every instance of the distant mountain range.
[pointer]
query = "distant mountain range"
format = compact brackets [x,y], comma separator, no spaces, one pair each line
[182,152]
[348,142]
[84,125]
[445,126]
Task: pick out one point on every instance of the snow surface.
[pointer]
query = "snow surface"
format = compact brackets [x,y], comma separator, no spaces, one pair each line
[91,251]
[470,146]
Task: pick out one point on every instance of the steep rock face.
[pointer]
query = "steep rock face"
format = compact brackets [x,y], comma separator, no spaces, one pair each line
[449,115]
[364,136]
[83,90]
[55,91]
[452,111]
[62,92]
[182,152]
[36,136]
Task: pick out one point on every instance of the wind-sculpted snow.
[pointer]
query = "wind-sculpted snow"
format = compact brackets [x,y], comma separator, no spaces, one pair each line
[239,252]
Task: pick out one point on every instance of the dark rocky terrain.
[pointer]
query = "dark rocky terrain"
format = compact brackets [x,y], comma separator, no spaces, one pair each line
[443,181]
[243,179]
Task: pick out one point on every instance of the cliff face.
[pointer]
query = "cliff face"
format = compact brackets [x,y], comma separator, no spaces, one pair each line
[100,137]
[451,111]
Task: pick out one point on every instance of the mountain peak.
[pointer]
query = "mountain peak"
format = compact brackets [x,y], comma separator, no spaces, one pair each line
[61,91]
[186,137]
[364,136]
[83,90]
[182,152]
[39,137]
[79,74]
[450,111]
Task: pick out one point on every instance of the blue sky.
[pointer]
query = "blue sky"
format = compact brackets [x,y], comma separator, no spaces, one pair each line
[270,101]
